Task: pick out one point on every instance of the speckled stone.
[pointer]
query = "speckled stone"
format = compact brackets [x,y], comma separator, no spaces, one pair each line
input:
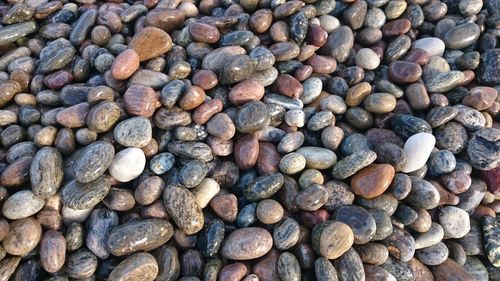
[352,163]
[182,207]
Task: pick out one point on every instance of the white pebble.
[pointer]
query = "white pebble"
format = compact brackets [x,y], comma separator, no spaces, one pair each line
[418,148]
[127,164]
[455,222]
[367,59]
[432,45]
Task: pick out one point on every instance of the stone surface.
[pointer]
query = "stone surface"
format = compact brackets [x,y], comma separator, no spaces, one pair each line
[247,243]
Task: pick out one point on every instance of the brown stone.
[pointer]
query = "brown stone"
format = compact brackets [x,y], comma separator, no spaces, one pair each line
[316,35]
[322,64]
[125,64]
[450,271]
[74,116]
[261,20]
[417,97]
[58,79]
[480,98]
[356,94]
[288,86]
[192,98]
[396,27]
[166,19]
[52,251]
[332,239]
[225,206]
[233,272]
[23,236]
[204,33]
[205,79]
[267,268]
[404,72]
[140,100]
[205,111]
[268,159]
[150,42]
[246,91]
[246,152]
[418,56]
[8,89]
[16,173]
[269,211]
[373,180]
[247,243]
[422,272]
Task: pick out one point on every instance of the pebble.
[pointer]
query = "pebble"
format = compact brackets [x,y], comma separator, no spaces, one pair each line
[350,164]
[11,33]
[23,236]
[140,265]
[289,267]
[429,238]
[445,81]
[338,44]
[359,220]
[144,235]
[490,230]
[332,239]
[127,164]
[483,149]
[450,270]
[423,194]
[247,243]
[455,222]
[133,132]
[82,196]
[85,168]
[488,68]
[183,208]
[373,180]
[317,158]
[417,148]
[46,172]
[253,116]
[22,204]
[52,251]
[150,42]
[433,255]
[350,266]
[461,36]
[367,59]
[125,64]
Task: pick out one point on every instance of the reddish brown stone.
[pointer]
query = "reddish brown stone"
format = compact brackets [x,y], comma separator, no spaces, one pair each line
[233,272]
[480,98]
[246,91]
[266,268]
[450,271]
[268,159]
[74,116]
[303,73]
[204,33]
[140,100]
[316,35]
[483,211]
[418,56]
[457,181]
[492,179]
[373,180]
[396,27]
[404,72]
[246,152]
[261,20]
[322,64]
[204,112]
[17,173]
[192,98]
[125,64]
[205,79]
[288,86]
[150,42]
[165,19]
[312,218]
[58,79]
[225,206]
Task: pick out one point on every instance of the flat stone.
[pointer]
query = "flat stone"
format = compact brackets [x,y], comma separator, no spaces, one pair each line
[373,180]
[349,165]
